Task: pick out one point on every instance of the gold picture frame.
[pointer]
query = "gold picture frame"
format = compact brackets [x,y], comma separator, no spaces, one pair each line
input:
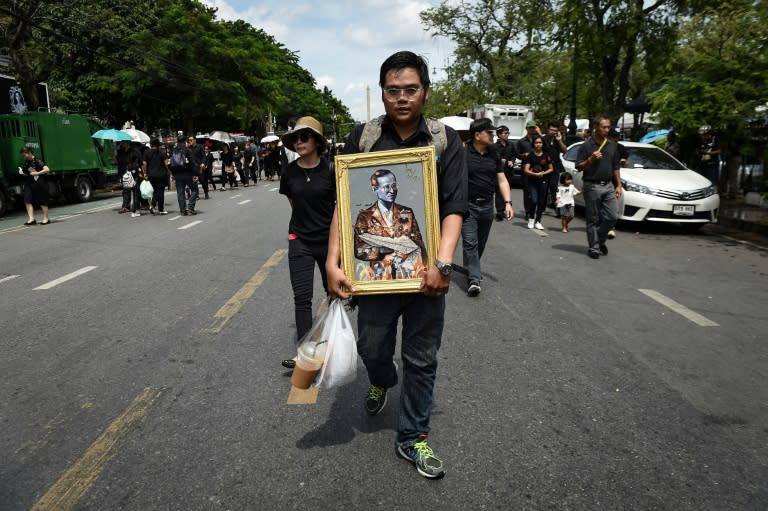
[387,243]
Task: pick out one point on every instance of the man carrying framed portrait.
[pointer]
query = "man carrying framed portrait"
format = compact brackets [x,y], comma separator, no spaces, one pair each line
[404,80]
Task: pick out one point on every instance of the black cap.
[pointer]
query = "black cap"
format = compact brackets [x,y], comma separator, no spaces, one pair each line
[483,124]
[501,128]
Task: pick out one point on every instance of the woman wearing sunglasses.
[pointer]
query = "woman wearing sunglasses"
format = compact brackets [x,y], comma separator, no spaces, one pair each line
[310,186]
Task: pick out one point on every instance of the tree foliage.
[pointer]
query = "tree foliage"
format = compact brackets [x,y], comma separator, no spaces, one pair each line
[168,64]
[527,51]
[718,72]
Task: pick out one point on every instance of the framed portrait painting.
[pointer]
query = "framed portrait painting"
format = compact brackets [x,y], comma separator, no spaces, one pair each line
[388,218]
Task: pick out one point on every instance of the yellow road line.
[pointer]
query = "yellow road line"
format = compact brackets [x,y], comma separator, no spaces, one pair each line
[234,304]
[302,396]
[65,493]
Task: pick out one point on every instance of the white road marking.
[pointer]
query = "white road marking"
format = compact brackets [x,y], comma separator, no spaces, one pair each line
[679,308]
[190,224]
[9,277]
[273,189]
[65,278]
[236,196]
[174,217]
[244,202]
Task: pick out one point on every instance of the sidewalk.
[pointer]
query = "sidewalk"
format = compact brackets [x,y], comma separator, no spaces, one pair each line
[736,214]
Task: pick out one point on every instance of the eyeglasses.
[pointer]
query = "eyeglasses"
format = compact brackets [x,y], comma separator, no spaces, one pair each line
[503,133]
[303,136]
[388,188]
[394,93]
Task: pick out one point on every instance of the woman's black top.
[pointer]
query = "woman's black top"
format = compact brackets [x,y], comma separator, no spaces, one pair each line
[313,193]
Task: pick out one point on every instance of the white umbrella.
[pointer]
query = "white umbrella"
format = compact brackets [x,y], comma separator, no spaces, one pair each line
[136,135]
[456,122]
[270,138]
[221,136]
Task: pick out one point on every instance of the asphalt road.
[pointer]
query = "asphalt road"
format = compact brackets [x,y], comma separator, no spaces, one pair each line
[141,370]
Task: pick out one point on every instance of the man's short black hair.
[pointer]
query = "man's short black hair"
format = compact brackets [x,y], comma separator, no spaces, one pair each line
[181,139]
[553,124]
[401,60]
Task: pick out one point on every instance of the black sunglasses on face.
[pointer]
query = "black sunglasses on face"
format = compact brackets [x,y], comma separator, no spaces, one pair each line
[303,136]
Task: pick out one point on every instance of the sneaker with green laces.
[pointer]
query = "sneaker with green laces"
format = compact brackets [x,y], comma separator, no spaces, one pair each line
[421,455]
[375,400]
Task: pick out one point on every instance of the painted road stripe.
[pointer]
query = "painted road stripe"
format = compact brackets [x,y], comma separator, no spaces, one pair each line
[190,224]
[65,493]
[236,196]
[174,217]
[9,277]
[679,308]
[234,304]
[65,278]
[246,201]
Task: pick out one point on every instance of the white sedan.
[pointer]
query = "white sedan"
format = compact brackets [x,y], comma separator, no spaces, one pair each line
[657,188]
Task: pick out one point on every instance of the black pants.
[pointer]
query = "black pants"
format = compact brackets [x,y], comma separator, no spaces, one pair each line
[302,257]
[206,178]
[228,178]
[158,193]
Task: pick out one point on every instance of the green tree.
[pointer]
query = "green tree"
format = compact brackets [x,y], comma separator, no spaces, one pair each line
[717,75]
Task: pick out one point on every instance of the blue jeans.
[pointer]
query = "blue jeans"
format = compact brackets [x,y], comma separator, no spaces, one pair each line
[423,318]
[602,210]
[182,182]
[302,257]
[474,236]
[537,188]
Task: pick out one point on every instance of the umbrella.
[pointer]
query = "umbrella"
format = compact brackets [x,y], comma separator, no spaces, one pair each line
[653,136]
[456,122]
[112,134]
[270,138]
[221,136]
[136,135]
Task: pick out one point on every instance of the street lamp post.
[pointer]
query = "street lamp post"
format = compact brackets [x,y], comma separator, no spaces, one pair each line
[572,122]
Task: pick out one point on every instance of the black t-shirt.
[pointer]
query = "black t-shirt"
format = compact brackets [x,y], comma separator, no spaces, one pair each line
[506,152]
[33,165]
[313,193]
[155,163]
[483,170]
[537,163]
[602,169]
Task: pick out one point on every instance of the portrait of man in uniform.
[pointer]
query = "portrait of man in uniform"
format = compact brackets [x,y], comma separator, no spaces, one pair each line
[387,236]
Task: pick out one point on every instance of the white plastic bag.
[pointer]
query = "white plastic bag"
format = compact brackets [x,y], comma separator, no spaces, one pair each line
[340,365]
[146,189]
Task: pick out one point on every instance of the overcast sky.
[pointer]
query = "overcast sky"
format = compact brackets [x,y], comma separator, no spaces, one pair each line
[343,42]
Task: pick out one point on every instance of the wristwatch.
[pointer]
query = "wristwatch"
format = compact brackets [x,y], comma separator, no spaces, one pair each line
[508,202]
[445,269]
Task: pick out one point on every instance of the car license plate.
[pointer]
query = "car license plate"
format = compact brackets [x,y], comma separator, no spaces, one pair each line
[683,210]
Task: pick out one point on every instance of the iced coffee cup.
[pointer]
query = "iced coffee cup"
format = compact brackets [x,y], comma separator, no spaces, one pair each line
[305,371]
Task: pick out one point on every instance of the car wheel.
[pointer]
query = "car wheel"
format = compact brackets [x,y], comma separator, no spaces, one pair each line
[83,189]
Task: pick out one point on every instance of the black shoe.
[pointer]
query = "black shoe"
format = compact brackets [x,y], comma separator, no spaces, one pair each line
[375,400]
[594,254]
[31,222]
[191,211]
[184,213]
[603,249]
[289,363]
[473,290]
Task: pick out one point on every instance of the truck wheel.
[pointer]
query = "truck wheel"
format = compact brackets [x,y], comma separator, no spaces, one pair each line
[83,189]
[3,203]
